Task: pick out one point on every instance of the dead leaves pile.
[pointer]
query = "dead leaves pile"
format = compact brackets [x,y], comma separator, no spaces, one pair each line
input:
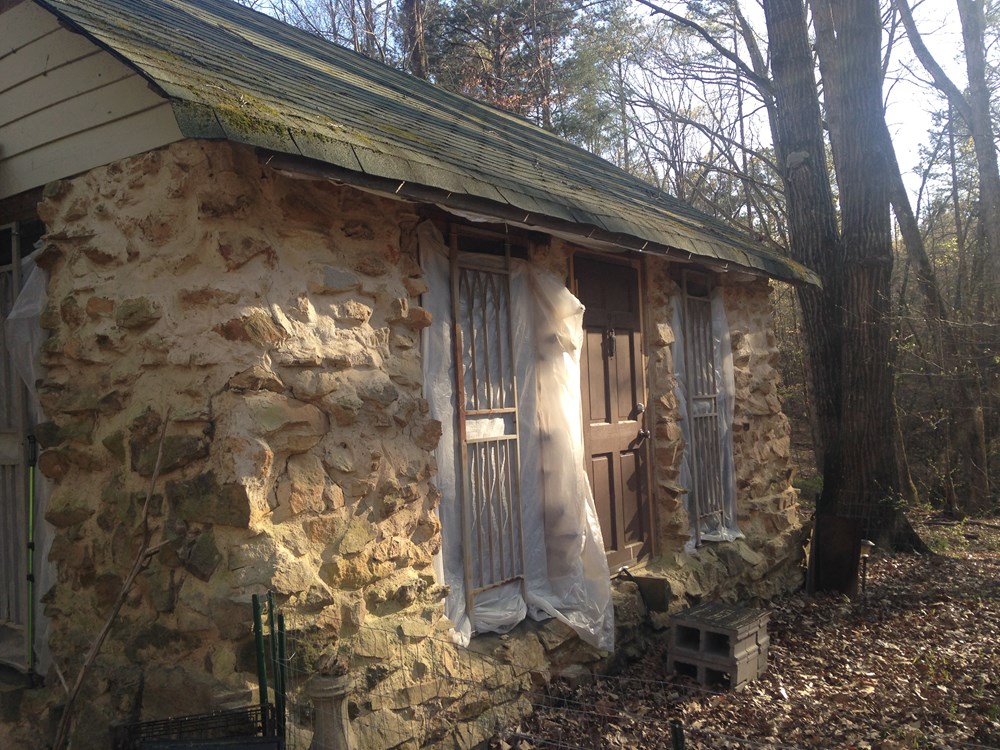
[916,664]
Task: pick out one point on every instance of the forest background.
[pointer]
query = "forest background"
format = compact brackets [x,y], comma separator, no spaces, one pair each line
[784,118]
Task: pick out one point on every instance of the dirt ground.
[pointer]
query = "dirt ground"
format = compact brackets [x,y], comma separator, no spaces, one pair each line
[915,664]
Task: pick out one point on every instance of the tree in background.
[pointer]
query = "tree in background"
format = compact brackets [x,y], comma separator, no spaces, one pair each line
[506,52]
[965,335]
[362,25]
[704,100]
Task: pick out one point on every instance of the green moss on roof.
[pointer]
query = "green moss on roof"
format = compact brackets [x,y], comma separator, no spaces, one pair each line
[248,115]
[233,73]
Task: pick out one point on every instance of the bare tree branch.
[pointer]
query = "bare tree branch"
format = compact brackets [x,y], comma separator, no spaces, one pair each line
[143,555]
[941,80]
[761,82]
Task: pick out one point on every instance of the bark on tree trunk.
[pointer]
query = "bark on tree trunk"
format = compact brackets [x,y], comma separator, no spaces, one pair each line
[849,48]
[812,220]
[847,330]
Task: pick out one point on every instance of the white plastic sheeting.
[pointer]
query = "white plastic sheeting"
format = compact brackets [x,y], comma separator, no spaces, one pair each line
[712,529]
[566,571]
[24,338]
[23,330]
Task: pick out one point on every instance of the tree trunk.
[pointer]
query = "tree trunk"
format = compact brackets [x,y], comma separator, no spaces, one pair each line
[849,47]
[814,239]
[846,325]
[956,208]
[414,42]
[971,15]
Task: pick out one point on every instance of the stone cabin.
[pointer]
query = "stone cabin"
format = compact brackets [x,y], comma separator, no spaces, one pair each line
[354,301]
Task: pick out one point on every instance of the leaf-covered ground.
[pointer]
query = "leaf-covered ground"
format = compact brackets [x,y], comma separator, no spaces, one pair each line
[914,665]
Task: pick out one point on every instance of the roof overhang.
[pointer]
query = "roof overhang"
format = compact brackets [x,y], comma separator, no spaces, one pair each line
[319,109]
[481,209]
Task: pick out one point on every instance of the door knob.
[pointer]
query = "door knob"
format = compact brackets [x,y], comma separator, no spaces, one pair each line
[643,435]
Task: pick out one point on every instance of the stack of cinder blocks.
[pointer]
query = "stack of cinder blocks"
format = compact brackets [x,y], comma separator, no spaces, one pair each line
[720,645]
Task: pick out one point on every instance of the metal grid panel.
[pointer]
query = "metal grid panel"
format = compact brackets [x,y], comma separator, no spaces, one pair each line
[13,490]
[12,553]
[495,505]
[486,395]
[484,307]
[196,731]
[703,412]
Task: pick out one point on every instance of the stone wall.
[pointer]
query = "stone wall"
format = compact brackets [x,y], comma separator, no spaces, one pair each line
[274,324]
[669,511]
[768,561]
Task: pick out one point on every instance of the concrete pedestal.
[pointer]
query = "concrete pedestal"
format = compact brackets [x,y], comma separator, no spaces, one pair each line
[333,725]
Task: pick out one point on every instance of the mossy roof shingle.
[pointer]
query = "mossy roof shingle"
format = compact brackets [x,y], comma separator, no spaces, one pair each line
[234,73]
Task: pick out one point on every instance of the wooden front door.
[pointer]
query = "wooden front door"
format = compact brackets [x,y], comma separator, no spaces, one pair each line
[613,382]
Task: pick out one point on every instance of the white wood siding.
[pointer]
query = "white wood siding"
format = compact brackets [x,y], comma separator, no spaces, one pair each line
[66,105]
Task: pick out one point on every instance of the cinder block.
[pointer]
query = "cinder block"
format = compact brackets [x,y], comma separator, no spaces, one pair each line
[719,644]
[717,673]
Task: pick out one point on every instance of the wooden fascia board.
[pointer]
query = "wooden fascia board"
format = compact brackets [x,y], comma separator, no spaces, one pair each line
[504,212]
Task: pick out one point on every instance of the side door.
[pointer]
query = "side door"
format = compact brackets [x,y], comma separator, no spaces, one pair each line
[13,469]
[488,419]
[614,395]
[703,408]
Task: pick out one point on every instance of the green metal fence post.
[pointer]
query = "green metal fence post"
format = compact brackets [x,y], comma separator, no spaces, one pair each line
[32,461]
[271,629]
[273,645]
[258,632]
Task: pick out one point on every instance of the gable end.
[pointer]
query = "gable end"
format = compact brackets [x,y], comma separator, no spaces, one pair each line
[66,105]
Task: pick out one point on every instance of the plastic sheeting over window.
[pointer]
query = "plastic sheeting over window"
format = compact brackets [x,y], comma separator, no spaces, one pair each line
[703,366]
[565,571]
[24,331]
[24,337]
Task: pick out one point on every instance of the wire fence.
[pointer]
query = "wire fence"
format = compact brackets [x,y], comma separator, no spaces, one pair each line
[413,688]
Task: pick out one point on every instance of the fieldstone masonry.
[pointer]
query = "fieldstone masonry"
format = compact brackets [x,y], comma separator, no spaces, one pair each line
[768,560]
[275,322]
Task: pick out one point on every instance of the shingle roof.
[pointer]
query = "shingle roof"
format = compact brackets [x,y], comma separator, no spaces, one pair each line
[234,73]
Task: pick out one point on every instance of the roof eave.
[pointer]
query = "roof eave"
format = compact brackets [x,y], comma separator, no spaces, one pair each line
[778,268]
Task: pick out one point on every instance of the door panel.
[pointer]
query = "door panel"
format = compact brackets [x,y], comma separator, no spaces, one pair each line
[613,385]
[601,473]
[13,470]
[593,370]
